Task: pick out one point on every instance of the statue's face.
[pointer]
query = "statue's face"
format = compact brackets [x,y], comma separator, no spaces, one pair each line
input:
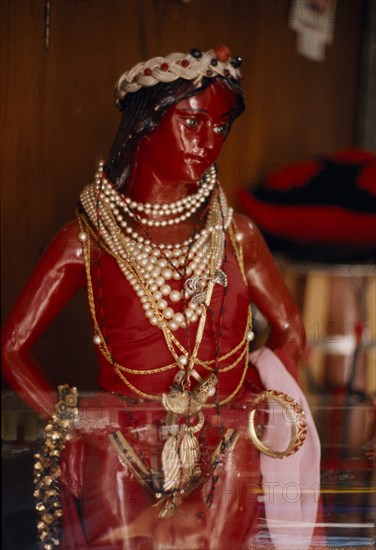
[190,136]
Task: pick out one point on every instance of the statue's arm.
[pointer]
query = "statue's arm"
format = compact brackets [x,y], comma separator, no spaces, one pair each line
[269,293]
[57,276]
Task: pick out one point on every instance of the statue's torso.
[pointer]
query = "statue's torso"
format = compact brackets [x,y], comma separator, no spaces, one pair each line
[136,344]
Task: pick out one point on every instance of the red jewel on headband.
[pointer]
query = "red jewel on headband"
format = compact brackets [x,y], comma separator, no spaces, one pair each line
[147,71]
[222,53]
[184,63]
[164,67]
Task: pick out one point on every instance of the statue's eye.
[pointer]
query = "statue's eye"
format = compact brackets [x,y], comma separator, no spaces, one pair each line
[191,122]
[221,129]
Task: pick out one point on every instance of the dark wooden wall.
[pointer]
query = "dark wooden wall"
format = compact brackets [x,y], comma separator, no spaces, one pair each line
[59,119]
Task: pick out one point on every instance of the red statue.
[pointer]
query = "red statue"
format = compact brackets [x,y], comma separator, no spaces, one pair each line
[170,272]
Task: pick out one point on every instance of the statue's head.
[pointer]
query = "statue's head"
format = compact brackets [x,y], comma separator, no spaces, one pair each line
[154,96]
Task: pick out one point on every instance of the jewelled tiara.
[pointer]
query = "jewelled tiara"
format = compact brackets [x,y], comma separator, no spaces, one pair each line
[192,66]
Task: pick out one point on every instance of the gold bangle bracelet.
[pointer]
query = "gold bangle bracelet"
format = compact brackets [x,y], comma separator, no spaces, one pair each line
[296,417]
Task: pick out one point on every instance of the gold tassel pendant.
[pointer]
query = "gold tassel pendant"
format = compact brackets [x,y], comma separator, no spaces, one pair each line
[180,456]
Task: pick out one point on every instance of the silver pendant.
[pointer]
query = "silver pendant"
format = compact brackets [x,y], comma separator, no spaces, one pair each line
[220,278]
[196,286]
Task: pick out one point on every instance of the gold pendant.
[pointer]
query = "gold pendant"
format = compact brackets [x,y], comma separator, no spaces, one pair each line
[181,451]
[180,402]
[176,401]
[180,456]
[205,389]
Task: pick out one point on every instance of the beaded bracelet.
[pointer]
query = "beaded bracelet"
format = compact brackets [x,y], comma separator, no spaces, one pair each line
[47,469]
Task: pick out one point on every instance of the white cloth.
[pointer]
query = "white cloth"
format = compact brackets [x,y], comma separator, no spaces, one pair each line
[291,485]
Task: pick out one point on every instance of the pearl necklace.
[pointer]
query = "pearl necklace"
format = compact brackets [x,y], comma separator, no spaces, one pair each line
[150,268]
[185,207]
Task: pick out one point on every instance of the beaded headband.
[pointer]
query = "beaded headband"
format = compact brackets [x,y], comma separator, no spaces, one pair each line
[192,66]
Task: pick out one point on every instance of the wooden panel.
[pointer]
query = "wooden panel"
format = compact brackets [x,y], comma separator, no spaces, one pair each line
[59,117]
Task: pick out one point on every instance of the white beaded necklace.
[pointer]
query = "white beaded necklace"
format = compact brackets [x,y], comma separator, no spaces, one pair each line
[185,207]
[150,268]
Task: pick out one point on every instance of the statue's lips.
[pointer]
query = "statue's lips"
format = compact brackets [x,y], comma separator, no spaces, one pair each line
[194,160]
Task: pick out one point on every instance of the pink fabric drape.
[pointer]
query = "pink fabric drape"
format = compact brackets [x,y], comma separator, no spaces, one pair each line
[291,485]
